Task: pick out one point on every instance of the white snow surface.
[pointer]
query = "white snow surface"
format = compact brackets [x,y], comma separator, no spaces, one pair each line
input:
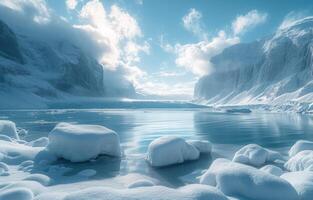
[8,128]
[300,145]
[302,182]
[255,155]
[169,150]
[81,142]
[203,146]
[272,169]
[302,161]
[239,180]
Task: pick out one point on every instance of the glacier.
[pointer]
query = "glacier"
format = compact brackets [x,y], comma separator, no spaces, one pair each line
[273,73]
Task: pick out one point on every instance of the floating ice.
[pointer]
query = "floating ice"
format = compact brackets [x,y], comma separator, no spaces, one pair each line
[300,145]
[189,192]
[301,161]
[168,150]
[8,128]
[79,143]
[235,179]
[253,154]
[272,169]
[203,146]
[302,182]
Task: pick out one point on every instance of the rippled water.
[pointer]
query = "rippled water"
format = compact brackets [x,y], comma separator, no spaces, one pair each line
[137,127]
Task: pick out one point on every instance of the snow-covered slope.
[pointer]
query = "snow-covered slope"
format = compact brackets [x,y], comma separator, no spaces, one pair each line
[276,71]
[34,71]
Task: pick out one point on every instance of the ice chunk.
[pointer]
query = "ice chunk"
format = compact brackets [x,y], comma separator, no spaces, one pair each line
[300,145]
[40,142]
[189,192]
[301,161]
[238,110]
[87,173]
[203,146]
[8,128]
[79,143]
[16,194]
[239,180]
[40,178]
[168,150]
[253,154]
[272,169]
[141,183]
[302,182]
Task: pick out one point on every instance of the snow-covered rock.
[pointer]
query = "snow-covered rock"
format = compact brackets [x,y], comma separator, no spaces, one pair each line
[253,154]
[80,142]
[239,180]
[8,128]
[203,146]
[302,182]
[40,142]
[169,150]
[189,192]
[300,145]
[301,161]
[272,169]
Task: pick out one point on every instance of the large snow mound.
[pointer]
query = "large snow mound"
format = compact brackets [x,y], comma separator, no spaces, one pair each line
[272,169]
[302,182]
[300,145]
[253,154]
[168,150]
[80,142]
[189,192]
[239,180]
[8,128]
[301,161]
[16,194]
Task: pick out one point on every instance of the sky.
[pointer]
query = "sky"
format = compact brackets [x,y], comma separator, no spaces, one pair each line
[164,46]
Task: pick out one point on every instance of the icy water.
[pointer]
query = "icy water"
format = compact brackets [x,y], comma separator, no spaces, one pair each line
[138,127]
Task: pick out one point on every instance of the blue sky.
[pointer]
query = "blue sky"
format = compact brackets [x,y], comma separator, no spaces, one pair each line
[173,58]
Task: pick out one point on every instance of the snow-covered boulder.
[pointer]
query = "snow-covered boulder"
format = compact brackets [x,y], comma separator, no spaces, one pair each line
[189,192]
[300,145]
[239,180]
[255,155]
[80,142]
[168,150]
[203,146]
[8,128]
[272,169]
[302,182]
[301,161]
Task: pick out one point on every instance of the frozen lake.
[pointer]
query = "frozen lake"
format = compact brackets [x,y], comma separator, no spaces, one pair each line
[138,127]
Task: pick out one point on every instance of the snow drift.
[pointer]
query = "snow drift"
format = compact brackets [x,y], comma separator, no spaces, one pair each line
[276,70]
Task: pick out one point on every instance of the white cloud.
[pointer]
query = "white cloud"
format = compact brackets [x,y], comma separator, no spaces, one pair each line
[192,22]
[249,20]
[71,4]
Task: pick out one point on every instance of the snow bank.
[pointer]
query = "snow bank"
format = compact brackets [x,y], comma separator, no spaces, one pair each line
[272,169]
[203,146]
[235,179]
[301,161]
[141,183]
[8,128]
[253,154]
[79,143]
[189,192]
[300,145]
[302,182]
[168,150]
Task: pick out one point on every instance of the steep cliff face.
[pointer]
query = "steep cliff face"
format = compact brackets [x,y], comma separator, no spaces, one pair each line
[274,70]
[38,70]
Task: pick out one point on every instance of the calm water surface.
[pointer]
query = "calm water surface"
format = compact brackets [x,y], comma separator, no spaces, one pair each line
[138,127]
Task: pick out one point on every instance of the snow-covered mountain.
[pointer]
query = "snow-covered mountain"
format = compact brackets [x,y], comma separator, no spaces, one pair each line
[34,71]
[277,70]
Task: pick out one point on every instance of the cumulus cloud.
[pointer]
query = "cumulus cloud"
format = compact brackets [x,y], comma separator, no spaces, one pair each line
[247,21]
[71,4]
[192,22]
